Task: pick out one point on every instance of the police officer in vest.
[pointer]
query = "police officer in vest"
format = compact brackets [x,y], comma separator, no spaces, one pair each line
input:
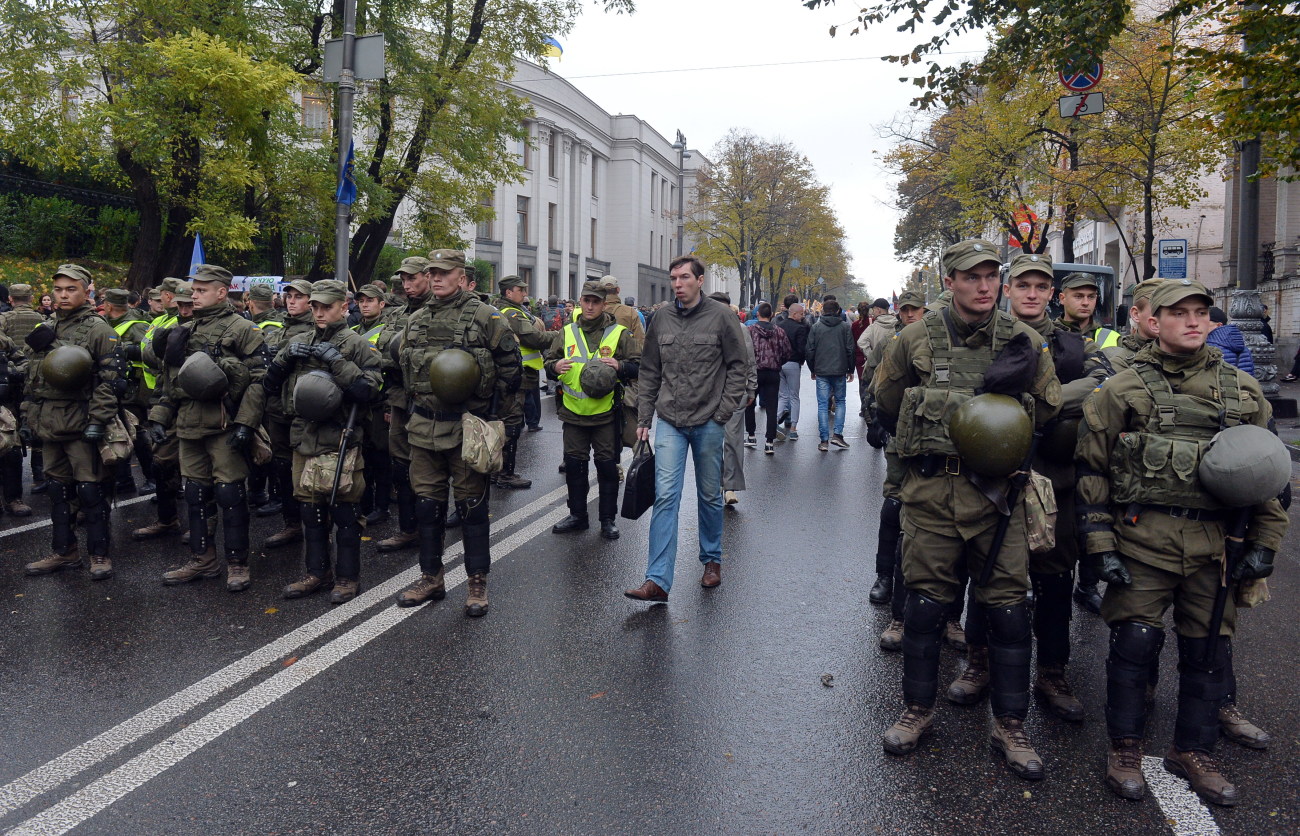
[1155,532]
[972,359]
[75,379]
[131,330]
[213,370]
[626,316]
[597,355]
[327,381]
[457,355]
[16,324]
[1079,296]
[378,332]
[533,341]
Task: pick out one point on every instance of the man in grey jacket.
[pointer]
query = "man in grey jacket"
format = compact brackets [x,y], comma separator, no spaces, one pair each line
[830,359]
[693,372]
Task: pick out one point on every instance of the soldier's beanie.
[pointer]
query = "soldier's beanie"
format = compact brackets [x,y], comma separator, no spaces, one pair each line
[1029,263]
[117,296]
[328,291]
[261,292]
[1217,315]
[211,273]
[75,272]
[966,254]
[1174,291]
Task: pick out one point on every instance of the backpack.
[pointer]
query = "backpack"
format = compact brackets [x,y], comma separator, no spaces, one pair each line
[767,346]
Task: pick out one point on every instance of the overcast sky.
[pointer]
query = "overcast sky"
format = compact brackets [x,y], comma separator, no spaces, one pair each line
[829,110]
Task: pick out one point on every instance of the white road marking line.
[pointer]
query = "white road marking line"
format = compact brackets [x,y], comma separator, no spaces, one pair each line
[32,526]
[68,765]
[1183,809]
[102,793]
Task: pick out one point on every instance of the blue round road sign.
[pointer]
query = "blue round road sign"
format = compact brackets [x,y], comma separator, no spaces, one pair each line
[1085,79]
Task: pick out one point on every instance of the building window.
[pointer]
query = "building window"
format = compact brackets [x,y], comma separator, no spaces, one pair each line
[650,259]
[593,237]
[595,175]
[484,229]
[316,110]
[552,163]
[663,250]
[672,199]
[525,149]
[552,283]
[654,189]
[521,219]
[71,103]
[551,240]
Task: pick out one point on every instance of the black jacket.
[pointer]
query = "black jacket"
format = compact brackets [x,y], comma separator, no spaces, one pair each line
[798,333]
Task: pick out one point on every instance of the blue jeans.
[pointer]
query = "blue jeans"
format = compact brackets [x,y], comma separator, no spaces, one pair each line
[826,387]
[671,443]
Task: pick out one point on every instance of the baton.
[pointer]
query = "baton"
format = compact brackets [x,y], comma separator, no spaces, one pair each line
[343,448]
[1232,552]
[1018,482]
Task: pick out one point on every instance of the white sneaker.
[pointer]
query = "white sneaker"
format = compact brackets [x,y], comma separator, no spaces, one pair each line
[730,498]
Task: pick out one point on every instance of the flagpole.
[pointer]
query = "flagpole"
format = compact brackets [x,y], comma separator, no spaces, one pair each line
[347,89]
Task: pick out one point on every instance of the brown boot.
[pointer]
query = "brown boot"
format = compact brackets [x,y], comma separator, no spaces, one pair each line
[18,508]
[54,563]
[1052,687]
[955,636]
[400,540]
[344,590]
[513,480]
[970,687]
[476,602]
[237,577]
[204,566]
[287,535]
[1199,769]
[185,539]
[1124,768]
[159,529]
[306,585]
[892,638]
[1238,729]
[712,574]
[902,737]
[426,588]
[101,568]
[1008,737]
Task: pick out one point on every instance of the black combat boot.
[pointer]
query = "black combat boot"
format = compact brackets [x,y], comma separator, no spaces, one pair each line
[578,482]
[886,549]
[607,482]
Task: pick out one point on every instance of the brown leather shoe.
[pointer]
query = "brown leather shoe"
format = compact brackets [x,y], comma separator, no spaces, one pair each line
[1052,687]
[712,574]
[400,540]
[18,508]
[1239,730]
[1008,737]
[426,588]
[1200,770]
[1124,768]
[237,577]
[344,590]
[902,737]
[307,584]
[955,636]
[201,566]
[892,639]
[157,529]
[54,563]
[285,536]
[476,600]
[650,592]
[101,568]
[970,687]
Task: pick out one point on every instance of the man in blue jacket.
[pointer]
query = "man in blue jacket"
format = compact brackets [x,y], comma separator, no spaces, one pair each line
[1229,339]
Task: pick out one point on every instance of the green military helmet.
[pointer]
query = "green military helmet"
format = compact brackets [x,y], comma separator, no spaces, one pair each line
[992,434]
[316,396]
[67,368]
[1245,465]
[597,379]
[1060,440]
[453,375]
[201,378]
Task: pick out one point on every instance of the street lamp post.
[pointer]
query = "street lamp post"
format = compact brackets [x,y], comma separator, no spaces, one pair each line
[682,156]
[347,90]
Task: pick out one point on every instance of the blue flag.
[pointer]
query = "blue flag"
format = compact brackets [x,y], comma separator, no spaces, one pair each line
[196,256]
[347,190]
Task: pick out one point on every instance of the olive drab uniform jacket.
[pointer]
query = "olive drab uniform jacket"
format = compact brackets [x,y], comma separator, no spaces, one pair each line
[58,415]
[1140,444]
[16,324]
[627,352]
[533,341]
[275,337]
[237,347]
[1120,356]
[928,371]
[357,373]
[461,321]
[131,330]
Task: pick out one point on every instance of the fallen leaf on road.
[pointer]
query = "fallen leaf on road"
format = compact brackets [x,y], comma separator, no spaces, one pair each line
[271,610]
[290,661]
[596,695]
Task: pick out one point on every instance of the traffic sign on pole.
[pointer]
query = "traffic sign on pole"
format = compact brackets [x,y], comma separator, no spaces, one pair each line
[1173,258]
[1085,78]
[1083,104]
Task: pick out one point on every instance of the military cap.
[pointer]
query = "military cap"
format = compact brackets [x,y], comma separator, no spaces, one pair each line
[155,294]
[1174,291]
[170,284]
[74,271]
[446,259]
[184,293]
[300,285]
[593,288]
[374,291]
[261,292]
[20,291]
[910,299]
[235,294]
[1079,280]
[328,291]
[609,284]
[414,264]
[1144,289]
[470,273]
[509,282]
[966,254]
[211,273]
[1030,263]
[117,296]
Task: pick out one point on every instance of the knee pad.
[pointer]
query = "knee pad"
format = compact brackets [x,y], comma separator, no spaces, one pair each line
[606,470]
[62,491]
[231,494]
[401,471]
[91,494]
[923,615]
[347,519]
[891,513]
[197,494]
[474,513]
[1008,625]
[1136,644]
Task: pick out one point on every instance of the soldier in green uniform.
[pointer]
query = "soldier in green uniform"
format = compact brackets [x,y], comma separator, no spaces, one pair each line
[130,330]
[75,379]
[16,324]
[591,415]
[1080,368]
[626,316]
[1121,355]
[949,516]
[375,329]
[262,489]
[415,277]
[453,318]
[212,370]
[533,341]
[326,381]
[297,321]
[1079,296]
[1156,535]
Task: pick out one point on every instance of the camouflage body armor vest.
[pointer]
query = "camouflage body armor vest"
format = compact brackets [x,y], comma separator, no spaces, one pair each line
[431,331]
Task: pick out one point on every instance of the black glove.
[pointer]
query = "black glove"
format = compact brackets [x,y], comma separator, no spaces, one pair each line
[1108,566]
[299,351]
[26,435]
[241,438]
[132,352]
[177,340]
[1257,562]
[327,353]
[1013,371]
[877,435]
[155,432]
[93,433]
[1285,497]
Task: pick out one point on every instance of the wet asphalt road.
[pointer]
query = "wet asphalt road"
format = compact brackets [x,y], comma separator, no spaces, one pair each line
[568,709]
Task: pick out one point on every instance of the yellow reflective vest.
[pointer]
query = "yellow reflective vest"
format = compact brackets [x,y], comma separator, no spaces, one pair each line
[578,352]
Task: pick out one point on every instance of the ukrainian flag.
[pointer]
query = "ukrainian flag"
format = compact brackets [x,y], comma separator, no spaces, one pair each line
[552,48]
